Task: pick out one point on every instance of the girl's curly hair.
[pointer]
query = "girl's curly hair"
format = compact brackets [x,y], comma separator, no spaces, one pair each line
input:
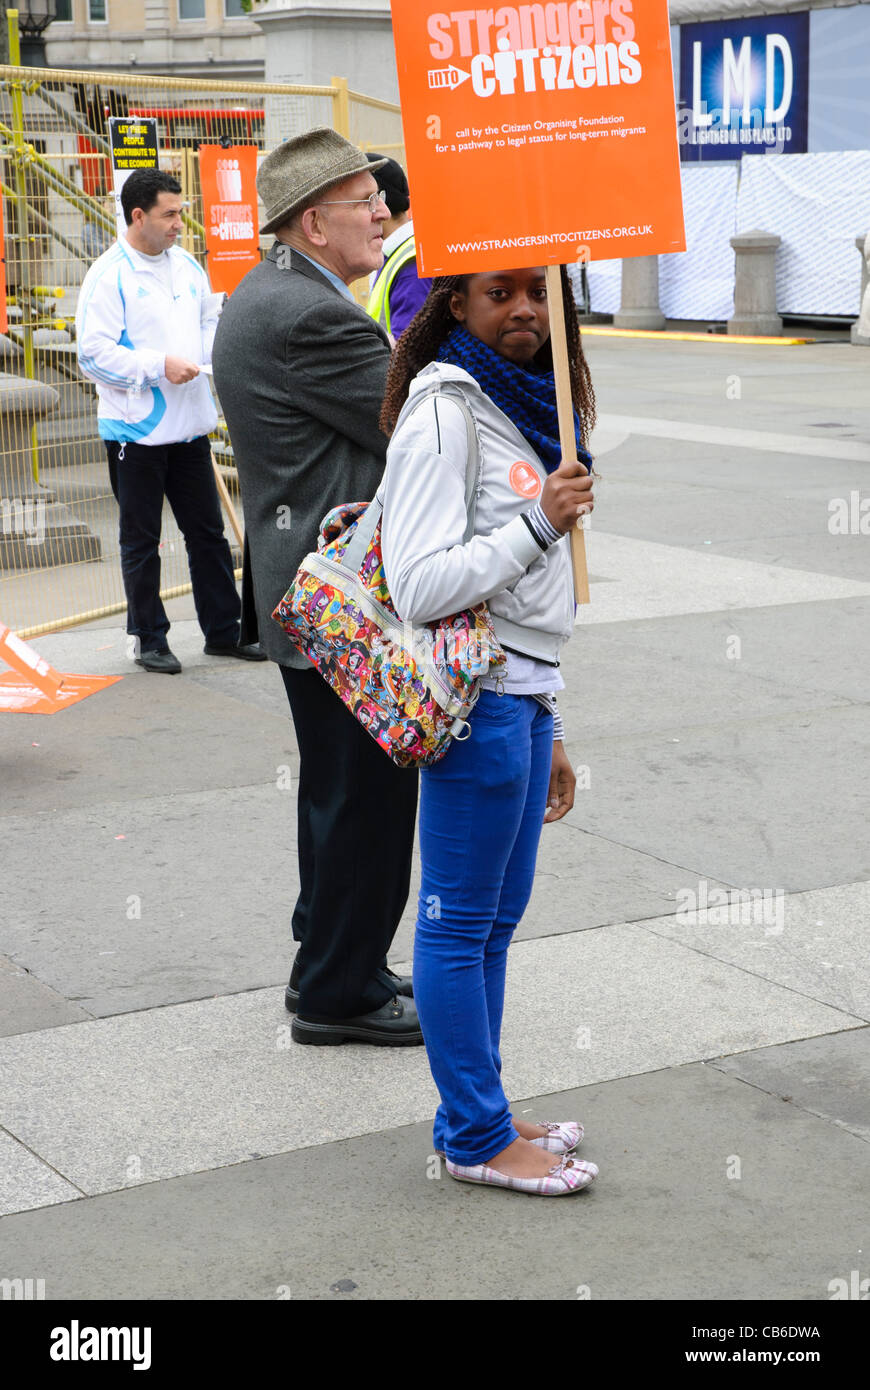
[419,344]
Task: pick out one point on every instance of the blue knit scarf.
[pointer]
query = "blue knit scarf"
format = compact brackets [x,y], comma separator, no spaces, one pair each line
[527,396]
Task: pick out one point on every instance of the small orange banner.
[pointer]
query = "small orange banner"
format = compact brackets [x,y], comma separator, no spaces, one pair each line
[229,200]
[539,134]
[4,322]
[34,687]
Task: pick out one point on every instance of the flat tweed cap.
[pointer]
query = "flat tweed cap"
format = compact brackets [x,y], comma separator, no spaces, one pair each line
[295,174]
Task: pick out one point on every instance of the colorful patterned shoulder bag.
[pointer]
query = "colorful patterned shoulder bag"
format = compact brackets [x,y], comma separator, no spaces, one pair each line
[411,688]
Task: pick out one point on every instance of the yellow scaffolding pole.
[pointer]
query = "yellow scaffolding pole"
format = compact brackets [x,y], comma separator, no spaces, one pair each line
[23,229]
[142,83]
[341,106]
[94,615]
[23,154]
[44,224]
[131,82]
[186,195]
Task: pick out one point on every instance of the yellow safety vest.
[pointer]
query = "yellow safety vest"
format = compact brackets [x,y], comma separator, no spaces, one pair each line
[379,300]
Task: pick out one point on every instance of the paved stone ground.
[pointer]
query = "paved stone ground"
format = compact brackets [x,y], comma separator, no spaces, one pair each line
[162,1137]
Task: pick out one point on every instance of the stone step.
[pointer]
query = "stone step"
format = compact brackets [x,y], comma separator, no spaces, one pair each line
[43,535]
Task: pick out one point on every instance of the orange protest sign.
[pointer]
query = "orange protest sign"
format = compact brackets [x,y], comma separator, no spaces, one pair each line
[539,133]
[229,200]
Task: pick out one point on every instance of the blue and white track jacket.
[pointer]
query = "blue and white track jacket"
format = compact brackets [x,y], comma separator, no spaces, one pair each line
[126,323]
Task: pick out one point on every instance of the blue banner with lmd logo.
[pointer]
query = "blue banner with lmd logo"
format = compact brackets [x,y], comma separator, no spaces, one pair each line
[743,87]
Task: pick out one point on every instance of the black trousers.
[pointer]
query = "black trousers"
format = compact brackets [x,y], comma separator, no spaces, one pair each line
[183,474]
[356,813]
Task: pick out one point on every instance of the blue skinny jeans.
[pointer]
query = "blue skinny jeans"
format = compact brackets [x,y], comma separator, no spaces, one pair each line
[481,813]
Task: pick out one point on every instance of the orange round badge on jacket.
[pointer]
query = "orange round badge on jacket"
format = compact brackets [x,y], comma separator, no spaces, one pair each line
[524,480]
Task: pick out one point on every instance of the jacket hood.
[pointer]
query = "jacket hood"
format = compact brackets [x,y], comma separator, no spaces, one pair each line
[442,371]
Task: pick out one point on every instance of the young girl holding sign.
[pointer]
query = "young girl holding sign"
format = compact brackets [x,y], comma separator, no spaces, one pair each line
[483,805]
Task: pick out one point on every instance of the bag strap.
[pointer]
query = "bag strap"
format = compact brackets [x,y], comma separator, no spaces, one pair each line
[367,524]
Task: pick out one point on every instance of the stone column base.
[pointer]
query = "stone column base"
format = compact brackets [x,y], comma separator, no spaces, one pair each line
[639,307]
[646,319]
[755,313]
[756,326]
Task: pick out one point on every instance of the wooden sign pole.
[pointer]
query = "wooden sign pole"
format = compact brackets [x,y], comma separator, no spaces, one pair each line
[223,493]
[559,341]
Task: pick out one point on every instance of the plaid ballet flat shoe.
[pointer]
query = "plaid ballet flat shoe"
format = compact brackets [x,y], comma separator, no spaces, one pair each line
[568,1176]
[561,1136]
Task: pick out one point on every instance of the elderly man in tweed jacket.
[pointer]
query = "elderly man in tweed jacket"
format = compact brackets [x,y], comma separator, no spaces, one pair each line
[300,371]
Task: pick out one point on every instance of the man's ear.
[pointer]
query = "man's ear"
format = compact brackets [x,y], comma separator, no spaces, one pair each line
[312,224]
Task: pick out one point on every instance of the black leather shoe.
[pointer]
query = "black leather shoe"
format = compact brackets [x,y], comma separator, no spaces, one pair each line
[402,984]
[394,1024]
[252,652]
[164,661]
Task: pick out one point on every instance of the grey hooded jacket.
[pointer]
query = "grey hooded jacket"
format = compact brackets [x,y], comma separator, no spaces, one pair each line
[430,572]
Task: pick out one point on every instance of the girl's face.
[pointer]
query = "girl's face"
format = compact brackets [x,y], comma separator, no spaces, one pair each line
[507,310]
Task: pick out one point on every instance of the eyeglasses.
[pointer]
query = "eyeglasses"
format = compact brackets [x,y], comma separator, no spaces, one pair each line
[373,199]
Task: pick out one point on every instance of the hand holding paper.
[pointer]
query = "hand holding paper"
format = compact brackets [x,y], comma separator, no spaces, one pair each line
[178,370]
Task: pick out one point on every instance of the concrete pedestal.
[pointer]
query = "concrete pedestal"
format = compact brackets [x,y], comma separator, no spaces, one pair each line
[10,354]
[311,41]
[755,286]
[861,329]
[640,295]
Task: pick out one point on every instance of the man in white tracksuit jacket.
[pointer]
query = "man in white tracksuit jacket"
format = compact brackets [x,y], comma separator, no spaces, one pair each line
[144,328]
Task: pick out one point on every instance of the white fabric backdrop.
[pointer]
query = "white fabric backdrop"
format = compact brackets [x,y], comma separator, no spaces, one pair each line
[699,283]
[818,204]
[687,11]
[605,285]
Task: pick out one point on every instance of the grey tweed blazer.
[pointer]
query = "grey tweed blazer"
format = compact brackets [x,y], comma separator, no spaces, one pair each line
[300,372]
